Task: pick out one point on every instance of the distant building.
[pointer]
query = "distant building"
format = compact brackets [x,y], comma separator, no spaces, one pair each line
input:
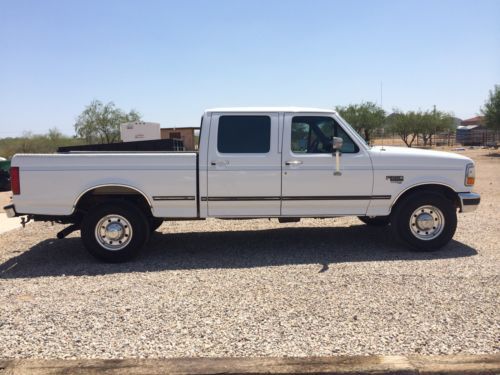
[186,135]
[478,120]
[473,132]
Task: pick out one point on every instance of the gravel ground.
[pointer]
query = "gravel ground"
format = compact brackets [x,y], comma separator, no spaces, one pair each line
[256,288]
[4,199]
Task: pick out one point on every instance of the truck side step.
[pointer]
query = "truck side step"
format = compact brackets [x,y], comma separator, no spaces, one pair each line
[288,219]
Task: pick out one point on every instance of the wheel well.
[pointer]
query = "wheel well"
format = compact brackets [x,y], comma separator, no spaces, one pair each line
[106,193]
[444,190]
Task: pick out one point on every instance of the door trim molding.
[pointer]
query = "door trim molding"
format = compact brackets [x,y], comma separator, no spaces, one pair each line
[174,198]
[225,199]
[336,198]
[299,198]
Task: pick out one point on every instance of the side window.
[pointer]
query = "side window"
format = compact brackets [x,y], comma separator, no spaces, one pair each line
[348,146]
[313,135]
[244,134]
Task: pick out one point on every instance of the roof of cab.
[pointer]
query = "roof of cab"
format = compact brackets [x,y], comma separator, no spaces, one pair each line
[271,109]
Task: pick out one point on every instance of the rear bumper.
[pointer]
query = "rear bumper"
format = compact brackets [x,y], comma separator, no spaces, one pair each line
[469,201]
[10,210]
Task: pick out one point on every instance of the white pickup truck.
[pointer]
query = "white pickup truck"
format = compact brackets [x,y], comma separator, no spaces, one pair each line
[285,163]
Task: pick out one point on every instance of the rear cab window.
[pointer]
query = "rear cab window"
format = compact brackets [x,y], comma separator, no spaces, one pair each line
[244,134]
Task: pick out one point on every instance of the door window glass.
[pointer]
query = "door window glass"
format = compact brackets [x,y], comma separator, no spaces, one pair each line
[313,135]
[244,134]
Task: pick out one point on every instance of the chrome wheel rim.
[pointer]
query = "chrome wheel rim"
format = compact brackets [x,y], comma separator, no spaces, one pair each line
[427,222]
[113,232]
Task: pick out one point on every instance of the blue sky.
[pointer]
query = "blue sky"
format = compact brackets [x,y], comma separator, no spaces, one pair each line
[170,60]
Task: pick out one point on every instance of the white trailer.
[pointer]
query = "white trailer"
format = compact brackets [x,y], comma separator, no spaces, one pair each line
[140,131]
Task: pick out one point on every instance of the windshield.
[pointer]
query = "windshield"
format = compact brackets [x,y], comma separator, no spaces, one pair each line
[353,131]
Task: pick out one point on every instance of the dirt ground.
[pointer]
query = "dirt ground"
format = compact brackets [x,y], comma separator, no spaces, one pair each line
[4,199]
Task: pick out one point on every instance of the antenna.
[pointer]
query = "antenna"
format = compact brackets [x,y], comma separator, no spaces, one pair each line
[382,106]
[381,97]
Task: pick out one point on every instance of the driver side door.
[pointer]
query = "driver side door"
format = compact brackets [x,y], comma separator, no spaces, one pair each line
[310,186]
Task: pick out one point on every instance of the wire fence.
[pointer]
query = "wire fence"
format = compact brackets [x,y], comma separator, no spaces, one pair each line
[452,138]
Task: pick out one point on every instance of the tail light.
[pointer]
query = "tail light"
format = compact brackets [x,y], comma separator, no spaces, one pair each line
[15,182]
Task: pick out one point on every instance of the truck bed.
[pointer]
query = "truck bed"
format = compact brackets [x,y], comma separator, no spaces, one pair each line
[51,184]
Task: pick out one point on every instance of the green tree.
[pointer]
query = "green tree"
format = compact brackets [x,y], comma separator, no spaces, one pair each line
[491,109]
[364,117]
[405,125]
[433,122]
[54,135]
[408,125]
[36,143]
[101,122]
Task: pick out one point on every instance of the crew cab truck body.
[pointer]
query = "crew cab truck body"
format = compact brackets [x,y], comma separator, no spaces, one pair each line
[287,163]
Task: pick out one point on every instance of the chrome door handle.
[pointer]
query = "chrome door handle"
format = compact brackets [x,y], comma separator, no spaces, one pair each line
[219,162]
[293,162]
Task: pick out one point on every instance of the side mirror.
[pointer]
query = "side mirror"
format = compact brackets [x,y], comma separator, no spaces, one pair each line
[337,143]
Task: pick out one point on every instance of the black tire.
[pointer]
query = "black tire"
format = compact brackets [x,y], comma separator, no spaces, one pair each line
[155,223]
[133,220]
[378,221]
[438,236]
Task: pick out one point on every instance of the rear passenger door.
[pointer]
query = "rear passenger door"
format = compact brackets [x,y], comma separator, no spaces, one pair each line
[244,165]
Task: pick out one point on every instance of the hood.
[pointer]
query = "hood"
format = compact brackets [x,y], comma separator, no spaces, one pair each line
[416,157]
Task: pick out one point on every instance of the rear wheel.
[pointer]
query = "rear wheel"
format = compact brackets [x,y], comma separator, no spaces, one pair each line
[378,221]
[425,221]
[115,232]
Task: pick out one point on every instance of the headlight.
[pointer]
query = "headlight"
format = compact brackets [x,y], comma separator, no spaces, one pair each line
[470,174]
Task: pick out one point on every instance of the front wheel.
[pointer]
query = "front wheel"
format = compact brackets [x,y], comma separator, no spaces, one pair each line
[115,232]
[425,221]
